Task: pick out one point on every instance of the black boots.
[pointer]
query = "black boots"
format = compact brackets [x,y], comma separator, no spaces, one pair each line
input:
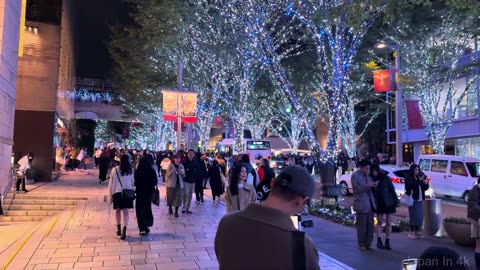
[124,233]
[379,243]
[387,244]
[119,230]
[170,211]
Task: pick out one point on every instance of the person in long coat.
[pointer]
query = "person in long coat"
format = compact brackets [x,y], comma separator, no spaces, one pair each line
[239,193]
[145,182]
[216,183]
[103,163]
[416,184]
[174,183]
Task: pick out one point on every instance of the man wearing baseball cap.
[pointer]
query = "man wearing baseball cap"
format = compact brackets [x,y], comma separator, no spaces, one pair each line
[263,236]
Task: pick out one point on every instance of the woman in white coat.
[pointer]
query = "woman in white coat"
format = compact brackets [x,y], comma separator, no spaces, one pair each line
[121,178]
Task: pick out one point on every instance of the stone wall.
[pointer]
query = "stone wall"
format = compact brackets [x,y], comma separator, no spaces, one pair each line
[9,30]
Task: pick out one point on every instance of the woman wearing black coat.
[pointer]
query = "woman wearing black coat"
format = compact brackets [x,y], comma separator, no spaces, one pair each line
[387,200]
[416,184]
[103,163]
[145,184]
[216,182]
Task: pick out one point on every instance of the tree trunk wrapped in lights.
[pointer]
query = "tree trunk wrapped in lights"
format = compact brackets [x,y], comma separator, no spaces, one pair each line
[435,63]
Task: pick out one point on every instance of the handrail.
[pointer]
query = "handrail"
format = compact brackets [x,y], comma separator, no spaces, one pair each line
[13,173]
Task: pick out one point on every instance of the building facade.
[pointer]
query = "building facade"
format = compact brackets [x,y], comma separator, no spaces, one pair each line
[10,11]
[46,74]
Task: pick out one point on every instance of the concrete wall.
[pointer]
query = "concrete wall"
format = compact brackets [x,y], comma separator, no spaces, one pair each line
[9,30]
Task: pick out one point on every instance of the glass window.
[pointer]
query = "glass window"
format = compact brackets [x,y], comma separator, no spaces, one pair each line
[473,168]
[457,167]
[424,164]
[258,145]
[439,165]
[401,173]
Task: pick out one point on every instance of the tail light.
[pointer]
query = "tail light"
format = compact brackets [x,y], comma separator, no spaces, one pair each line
[429,180]
[268,157]
[396,180]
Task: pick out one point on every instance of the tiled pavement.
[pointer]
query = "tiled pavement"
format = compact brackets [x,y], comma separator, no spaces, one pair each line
[84,237]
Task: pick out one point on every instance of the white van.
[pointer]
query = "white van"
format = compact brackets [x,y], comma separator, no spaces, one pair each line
[450,175]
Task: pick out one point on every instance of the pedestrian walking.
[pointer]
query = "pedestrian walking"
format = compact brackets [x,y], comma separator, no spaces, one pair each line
[191,171]
[473,213]
[216,182]
[145,183]
[387,201]
[97,154]
[263,236]
[174,183]
[199,176]
[239,193]
[364,204]
[103,163]
[121,178]
[416,184]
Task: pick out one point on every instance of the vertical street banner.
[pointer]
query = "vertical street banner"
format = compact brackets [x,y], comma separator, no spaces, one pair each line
[384,80]
[414,115]
[189,106]
[170,105]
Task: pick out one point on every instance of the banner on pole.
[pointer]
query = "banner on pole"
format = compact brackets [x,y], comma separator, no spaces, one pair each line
[414,115]
[384,80]
[170,105]
[189,106]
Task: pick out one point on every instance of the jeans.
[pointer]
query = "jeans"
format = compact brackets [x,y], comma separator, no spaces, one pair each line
[187,195]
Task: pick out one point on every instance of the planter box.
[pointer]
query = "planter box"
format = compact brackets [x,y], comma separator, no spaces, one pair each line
[459,233]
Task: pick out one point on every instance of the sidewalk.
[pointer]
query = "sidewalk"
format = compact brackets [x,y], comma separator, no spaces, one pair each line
[84,237]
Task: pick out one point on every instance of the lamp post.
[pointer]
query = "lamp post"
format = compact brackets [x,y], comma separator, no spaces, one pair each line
[398,101]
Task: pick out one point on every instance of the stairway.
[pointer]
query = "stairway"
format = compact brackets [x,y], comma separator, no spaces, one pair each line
[26,207]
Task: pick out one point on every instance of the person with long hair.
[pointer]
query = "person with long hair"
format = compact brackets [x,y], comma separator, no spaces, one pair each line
[121,178]
[387,201]
[216,183]
[239,193]
[174,182]
[416,184]
[145,182]
[103,163]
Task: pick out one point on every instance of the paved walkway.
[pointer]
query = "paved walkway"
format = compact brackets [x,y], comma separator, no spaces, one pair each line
[84,237]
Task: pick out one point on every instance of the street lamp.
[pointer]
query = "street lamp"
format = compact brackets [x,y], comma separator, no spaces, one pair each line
[398,101]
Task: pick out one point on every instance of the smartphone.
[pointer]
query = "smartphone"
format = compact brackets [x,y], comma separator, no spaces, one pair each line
[409,264]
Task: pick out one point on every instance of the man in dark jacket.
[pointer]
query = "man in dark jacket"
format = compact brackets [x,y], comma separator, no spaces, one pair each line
[190,165]
[239,233]
[199,176]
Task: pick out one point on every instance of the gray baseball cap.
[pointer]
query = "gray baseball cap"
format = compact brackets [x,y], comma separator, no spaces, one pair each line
[297,179]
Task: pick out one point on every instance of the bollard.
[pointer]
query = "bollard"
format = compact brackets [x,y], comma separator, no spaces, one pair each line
[432,218]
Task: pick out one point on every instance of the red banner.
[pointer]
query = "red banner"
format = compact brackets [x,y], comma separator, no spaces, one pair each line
[169,106]
[189,106]
[414,115]
[384,80]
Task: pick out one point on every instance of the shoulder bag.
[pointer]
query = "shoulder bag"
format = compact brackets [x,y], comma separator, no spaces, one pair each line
[406,199]
[128,193]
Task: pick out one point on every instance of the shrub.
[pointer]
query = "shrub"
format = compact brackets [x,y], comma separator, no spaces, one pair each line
[456,220]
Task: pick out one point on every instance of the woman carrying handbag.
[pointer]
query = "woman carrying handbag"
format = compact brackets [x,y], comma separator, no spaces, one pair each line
[416,184]
[121,179]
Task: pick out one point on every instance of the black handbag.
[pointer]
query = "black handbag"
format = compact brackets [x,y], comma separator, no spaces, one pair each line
[156,197]
[128,193]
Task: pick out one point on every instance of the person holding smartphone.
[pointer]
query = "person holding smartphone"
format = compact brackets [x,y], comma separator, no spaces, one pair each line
[416,184]
[364,204]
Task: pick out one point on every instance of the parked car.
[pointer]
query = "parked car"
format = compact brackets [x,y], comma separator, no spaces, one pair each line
[277,163]
[451,175]
[397,174]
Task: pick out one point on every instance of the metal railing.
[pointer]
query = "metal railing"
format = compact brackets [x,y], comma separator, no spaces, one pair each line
[13,177]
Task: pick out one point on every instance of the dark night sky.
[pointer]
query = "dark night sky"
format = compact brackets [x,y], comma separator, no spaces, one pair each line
[93,21]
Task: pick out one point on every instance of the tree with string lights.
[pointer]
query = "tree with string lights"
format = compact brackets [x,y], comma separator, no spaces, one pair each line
[267,33]
[438,73]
